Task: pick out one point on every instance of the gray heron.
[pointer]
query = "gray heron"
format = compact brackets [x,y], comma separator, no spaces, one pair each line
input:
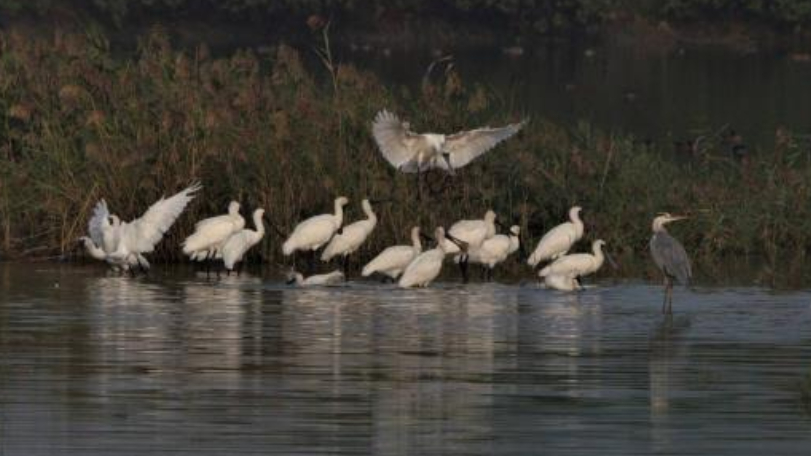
[670,256]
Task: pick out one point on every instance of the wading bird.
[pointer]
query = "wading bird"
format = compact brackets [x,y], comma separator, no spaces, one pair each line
[316,231]
[469,235]
[333,278]
[496,249]
[393,260]
[559,240]
[427,266]
[561,282]
[670,257]
[104,231]
[577,265]
[351,236]
[124,243]
[240,242]
[411,152]
[210,234]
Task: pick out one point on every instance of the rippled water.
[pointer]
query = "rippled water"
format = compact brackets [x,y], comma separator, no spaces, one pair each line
[178,364]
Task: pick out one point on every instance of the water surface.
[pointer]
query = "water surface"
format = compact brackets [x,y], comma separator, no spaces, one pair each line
[175,363]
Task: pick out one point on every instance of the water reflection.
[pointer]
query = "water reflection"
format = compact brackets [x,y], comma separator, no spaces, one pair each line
[115,365]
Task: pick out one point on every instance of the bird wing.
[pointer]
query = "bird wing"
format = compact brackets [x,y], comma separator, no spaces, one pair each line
[670,256]
[394,257]
[100,212]
[465,146]
[556,241]
[474,232]
[235,247]
[150,227]
[398,145]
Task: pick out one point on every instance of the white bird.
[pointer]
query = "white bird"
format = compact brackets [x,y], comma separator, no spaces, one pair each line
[316,231]
[578,264]
[496,249]
[559,240]
[333,278]
[210,234]
[240,242]
[471,233]
[561,282]
[351,236]
[427,266]
[393,260]
[132,239]
[412,152]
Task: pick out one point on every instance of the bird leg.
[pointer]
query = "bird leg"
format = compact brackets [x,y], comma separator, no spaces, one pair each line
[463,267]
[346,265]
[311,262]
[666,303]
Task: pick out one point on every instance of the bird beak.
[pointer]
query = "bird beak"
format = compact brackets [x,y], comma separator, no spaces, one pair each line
[291,281]
[611,261]
[459,243]
[678,217]
[447,157]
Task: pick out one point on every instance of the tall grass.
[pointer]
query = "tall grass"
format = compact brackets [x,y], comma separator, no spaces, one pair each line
[79,124]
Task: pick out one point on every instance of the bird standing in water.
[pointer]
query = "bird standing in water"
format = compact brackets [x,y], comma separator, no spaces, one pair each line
[670,256]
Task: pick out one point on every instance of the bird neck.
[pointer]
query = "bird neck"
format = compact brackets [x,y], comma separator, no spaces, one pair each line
[598,253]
[577,222]
[659,226]
[339,213]
[415,241]
[260,226]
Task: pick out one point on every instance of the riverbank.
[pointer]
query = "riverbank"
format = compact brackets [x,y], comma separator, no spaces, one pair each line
[81,123]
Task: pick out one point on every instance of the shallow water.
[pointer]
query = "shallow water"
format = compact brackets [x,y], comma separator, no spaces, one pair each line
[175,363]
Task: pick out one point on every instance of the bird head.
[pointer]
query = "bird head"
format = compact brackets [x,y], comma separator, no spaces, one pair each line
[341,201]
[490,216]
[575,211]
[515,230]
[665,217]
[233,207]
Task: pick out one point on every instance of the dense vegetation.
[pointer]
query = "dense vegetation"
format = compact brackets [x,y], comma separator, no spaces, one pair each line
[77,125]
[525,16]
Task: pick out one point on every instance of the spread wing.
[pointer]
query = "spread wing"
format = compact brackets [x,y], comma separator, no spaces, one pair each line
[398,145]
[150,227]
[100,212]
[466,146]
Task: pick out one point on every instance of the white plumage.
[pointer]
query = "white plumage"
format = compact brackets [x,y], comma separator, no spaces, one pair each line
[561,282]
[472,232]
[497,248]
[124,243]
[240,242]
[210,234]
[412,152]
[316,231]
[427,266]
[559,240]
[351,236]
[393,260]
[578,264]
[333,278]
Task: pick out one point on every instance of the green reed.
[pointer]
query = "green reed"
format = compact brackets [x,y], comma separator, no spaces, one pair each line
[80,124]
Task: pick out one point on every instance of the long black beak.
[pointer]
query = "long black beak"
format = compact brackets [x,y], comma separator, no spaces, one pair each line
[611,261]
[459,243]
[522,252]
[291,281]
[447,157]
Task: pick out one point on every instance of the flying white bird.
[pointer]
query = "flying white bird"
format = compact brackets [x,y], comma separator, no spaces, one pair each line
[412,152]
[210,234]
[578,264]
[496,249]
[124,243]
[559,240]
[393,260]
[351,236]
[427,266]
[316,231]
[240,242]
[333,278]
